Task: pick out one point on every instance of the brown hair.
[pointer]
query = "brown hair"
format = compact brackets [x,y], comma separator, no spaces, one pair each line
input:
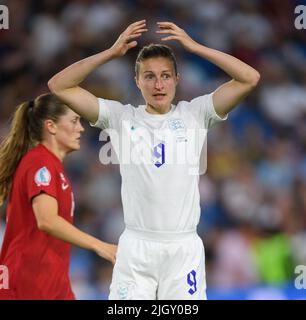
[26,131]
[152,51]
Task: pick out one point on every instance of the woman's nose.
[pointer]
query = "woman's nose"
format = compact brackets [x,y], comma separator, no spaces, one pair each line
[159,83]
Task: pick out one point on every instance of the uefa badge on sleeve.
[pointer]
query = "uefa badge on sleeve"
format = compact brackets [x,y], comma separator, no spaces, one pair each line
[42,177]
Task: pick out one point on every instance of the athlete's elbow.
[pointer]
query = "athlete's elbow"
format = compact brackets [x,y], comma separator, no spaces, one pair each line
[55,86]
[45,225]
[52,85]
[42,226]
[254,79]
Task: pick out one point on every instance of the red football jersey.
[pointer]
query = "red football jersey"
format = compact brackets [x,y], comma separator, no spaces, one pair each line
[38,263]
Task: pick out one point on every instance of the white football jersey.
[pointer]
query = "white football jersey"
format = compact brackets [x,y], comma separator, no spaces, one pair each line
[161,157]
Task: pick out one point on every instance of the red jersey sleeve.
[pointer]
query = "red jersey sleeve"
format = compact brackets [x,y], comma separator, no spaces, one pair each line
[42,177]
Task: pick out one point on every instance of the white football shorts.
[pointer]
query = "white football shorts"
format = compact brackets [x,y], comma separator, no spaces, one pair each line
[159,266]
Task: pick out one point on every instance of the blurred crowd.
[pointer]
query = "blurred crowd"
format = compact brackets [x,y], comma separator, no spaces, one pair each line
[253,195]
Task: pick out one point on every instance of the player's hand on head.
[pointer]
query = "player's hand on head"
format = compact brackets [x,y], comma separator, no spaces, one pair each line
[127,38]
[175,33]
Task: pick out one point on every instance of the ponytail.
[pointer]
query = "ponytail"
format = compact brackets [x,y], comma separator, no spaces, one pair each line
[14,146]
[26,130]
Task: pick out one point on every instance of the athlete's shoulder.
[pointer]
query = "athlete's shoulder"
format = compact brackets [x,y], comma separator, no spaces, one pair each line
[182,107]
[35,153]
[36,158]
[194,101]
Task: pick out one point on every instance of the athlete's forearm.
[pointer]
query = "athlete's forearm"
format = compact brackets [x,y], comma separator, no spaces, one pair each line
[61,229]
[73,75]
[234,67]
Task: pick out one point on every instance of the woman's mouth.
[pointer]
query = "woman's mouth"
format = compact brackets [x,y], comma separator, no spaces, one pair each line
[159,96]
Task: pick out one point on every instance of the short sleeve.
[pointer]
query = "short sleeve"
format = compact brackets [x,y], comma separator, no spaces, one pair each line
[204,111]
[42,177]
[110,113]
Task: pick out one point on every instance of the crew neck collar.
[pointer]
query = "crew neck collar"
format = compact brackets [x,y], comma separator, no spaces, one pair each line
[156,116]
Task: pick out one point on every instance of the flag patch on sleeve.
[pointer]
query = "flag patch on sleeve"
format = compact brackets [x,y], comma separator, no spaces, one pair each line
[42,177]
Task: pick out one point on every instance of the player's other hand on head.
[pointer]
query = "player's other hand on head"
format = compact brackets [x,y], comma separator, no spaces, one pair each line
[127,38]
[176,33]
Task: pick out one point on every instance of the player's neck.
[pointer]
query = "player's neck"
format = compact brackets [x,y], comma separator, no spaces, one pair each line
[157,110]
[60,154]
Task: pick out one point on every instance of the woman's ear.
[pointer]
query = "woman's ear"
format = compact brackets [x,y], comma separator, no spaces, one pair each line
[178,77]
[50,126]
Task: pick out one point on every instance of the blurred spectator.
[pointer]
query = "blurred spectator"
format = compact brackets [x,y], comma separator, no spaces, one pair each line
[273,259]
[233,265]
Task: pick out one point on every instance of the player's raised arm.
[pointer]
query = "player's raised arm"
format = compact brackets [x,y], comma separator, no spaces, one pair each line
[65,84]
[244,77]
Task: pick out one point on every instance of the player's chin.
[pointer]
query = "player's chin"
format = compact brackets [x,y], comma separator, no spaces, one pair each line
[75,146]
[161,104]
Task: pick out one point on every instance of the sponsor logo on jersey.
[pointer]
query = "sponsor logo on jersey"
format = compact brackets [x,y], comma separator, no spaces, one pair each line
[65,185]
[42,177]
